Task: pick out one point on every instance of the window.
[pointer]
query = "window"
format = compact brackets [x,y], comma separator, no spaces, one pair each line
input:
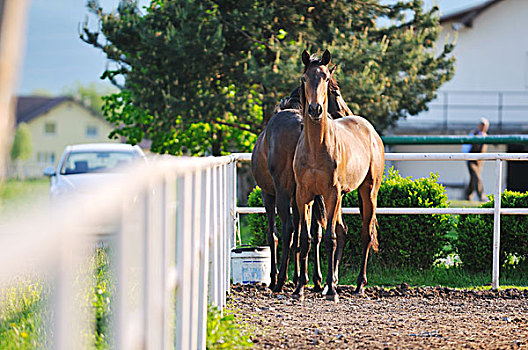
[46,157]
[91,131]
[50,128]
[96,161]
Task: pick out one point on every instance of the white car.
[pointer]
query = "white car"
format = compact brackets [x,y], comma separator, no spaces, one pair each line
[83,166]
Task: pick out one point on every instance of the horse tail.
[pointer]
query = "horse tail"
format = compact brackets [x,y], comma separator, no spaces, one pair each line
[374,234]
[319,210]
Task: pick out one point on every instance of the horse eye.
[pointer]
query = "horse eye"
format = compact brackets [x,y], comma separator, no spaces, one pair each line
[324,77]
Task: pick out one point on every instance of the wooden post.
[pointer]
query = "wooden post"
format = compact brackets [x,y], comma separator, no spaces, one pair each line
[12,39]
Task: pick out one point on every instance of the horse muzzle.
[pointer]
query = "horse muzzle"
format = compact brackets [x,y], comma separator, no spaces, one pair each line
[315,111]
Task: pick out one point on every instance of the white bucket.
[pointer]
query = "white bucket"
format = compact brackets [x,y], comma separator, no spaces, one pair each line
[251,265]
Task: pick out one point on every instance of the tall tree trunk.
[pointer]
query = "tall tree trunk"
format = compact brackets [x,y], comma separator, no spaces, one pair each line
[217,143]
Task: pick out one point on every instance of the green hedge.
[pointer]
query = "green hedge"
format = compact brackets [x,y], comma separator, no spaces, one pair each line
[475,235]
[404,240]
[257,222]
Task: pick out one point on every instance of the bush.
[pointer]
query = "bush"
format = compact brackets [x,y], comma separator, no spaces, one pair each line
[258,223]
[475,235]
[224,332]
[404,240]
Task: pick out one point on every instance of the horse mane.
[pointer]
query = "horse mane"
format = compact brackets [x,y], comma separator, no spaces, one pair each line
[291,102]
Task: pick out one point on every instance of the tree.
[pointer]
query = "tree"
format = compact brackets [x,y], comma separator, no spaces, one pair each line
[206,75]
[21,149]
[90,95]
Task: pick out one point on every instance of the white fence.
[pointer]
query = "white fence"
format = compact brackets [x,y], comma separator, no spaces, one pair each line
[499,159]
[172,224]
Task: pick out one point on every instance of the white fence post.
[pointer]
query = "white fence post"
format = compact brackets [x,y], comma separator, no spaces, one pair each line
[205,233]
[195,241]
[129,315]
[223,243]
[183,263]
[496,225]
[69,313]
[213,252]
[169,252]
[155,274]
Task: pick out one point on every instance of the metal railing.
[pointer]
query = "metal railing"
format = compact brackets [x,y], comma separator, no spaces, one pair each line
[171,222]
[499,158]
[465,106]
[453,139]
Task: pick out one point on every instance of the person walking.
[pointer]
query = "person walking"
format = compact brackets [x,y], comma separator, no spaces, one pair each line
[475,166]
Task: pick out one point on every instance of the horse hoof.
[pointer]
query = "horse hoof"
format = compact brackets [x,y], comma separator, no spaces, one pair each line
[299,297]
[325,290]
[317,288]
[277,289]
[333,297]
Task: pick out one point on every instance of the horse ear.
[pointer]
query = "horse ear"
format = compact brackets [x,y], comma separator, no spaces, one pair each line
[306,57]
[332,70]
[326,58]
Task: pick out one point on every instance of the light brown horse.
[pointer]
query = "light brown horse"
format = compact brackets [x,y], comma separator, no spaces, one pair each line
[272,168]
[334,157]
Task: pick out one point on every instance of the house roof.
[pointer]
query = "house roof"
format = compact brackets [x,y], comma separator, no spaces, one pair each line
[30,107]
[467,15]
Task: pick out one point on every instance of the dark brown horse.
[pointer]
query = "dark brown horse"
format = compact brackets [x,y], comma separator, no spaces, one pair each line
[271,165]
[334,157]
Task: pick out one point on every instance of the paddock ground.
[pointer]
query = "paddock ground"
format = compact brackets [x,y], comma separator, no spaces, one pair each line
[397,318]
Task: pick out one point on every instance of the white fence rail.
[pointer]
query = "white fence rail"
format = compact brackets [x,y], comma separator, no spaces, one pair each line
[172,224]
[499,159]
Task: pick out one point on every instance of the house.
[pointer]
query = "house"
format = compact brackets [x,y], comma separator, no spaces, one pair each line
[491,81]
[54,123]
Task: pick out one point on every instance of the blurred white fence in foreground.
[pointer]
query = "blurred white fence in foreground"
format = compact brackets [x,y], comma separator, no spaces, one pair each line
[172,224]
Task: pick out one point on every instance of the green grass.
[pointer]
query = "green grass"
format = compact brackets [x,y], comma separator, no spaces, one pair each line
[464,204]
[20,195]
[25,318]
[223,332]
[23,315]
[454,277]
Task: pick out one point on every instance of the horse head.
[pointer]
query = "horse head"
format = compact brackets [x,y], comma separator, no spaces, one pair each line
[315,82]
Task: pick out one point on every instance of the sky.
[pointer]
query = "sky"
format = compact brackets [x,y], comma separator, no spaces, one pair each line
[56,59]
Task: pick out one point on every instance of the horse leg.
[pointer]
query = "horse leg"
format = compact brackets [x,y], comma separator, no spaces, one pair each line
[283,209]
[333,205]
[269,205]
[368,230]
[341,232]
[295,251]
[318,220]
[317,235]
[305,215]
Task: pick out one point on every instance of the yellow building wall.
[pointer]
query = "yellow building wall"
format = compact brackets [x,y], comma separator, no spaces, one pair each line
[71,122]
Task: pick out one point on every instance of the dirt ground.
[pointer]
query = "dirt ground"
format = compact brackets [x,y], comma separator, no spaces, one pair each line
[398,318]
